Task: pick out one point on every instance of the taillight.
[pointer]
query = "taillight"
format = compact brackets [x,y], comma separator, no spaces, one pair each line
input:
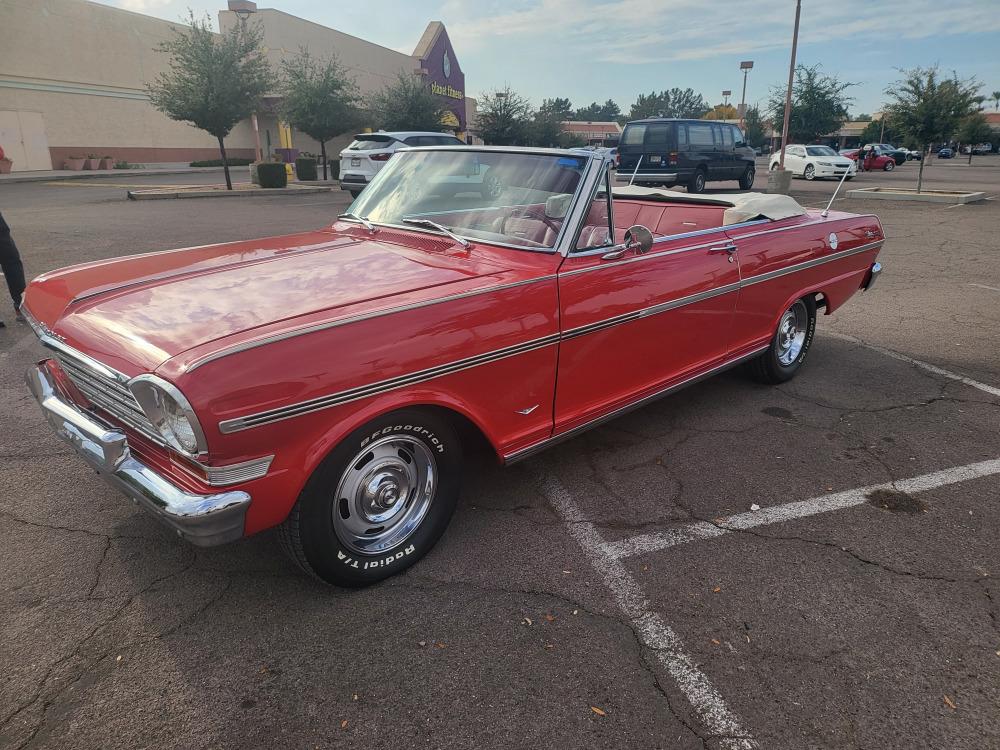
[618,159]
[380,157]
[672,157]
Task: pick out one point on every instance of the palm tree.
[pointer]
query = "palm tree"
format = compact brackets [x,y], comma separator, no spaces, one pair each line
[995,96]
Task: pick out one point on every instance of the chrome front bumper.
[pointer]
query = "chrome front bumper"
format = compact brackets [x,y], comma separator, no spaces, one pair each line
[204,520]
[872,276]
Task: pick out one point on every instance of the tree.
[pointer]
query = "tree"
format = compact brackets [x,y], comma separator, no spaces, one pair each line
[545,129]
[559,109]
[214,80]
[722,112]
[973,130]
[879,131]
[924,108]
[407,104]
[753,125]
[864,117]
[319,98]
[595,112]
[995,96]
[676,102]
[819,104]
[504,117]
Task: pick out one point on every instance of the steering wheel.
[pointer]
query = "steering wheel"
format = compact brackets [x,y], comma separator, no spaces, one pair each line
[528,213]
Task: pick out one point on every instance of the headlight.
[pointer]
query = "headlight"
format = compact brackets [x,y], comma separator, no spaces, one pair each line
[825,163]
[170,414]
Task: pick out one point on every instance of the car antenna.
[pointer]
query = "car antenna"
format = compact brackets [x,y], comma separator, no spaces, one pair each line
[833,197]
[634,171]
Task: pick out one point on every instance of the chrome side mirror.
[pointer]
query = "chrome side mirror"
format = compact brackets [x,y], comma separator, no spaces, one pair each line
[637,239]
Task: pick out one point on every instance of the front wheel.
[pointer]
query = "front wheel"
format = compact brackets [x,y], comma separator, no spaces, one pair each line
[889,166]
[789,345]
[746,180]
[810,173]
[378,502]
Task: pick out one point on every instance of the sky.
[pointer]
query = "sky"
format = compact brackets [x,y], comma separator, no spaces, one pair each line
[593,50]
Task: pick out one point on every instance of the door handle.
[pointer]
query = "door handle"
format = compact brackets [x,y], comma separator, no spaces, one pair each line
[727,248]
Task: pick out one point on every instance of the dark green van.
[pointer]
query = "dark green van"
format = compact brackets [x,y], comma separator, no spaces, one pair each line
[665,152]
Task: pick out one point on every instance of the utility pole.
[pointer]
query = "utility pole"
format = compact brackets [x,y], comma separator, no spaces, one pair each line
[745,66]
[791,78]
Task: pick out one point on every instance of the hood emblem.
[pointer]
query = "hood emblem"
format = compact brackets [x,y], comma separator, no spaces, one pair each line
[832,239]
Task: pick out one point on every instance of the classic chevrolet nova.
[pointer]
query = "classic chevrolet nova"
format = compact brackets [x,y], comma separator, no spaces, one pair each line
[325,382]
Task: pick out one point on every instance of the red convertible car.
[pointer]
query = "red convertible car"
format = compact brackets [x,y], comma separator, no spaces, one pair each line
[325,382]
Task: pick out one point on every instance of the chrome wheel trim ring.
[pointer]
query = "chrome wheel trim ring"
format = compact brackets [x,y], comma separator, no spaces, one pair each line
[384,494]
[791,336]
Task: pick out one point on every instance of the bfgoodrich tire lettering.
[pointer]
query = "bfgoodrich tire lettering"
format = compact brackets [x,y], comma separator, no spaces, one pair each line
[378,502]
[789,345]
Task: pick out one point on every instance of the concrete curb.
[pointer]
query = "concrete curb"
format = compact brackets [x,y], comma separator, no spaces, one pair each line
[144,195]
[86,174]
[926,196]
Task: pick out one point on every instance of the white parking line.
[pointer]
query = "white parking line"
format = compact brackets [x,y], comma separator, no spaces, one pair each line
[983,286]
[654,542]
[708,704]
[992,390]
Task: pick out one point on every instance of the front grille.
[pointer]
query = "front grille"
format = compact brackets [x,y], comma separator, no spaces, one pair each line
[107,394]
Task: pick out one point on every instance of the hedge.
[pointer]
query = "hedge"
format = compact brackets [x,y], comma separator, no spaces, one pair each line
[305,168]
[272,175]
[218,162]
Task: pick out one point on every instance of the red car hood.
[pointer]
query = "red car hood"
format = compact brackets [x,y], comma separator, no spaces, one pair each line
[135,313]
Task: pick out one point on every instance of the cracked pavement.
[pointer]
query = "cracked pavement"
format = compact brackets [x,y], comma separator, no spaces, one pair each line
[847,629]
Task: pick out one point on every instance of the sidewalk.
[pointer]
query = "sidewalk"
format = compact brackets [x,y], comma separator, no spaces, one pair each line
[89,174]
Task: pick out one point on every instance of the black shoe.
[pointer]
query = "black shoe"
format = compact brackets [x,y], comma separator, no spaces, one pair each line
[19,317]
[2,324]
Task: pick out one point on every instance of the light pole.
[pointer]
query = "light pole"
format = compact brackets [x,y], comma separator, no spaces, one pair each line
[780,181]
[746,67]
[725,97]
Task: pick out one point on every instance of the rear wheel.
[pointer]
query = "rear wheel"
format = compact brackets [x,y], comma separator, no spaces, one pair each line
[378,502]
[810,173]
[746,180]
[697,181]
[789,345]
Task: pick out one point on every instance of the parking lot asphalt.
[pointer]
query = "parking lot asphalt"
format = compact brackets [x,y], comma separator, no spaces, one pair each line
[806,566]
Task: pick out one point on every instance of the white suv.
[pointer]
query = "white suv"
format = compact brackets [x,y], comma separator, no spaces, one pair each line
[369,152]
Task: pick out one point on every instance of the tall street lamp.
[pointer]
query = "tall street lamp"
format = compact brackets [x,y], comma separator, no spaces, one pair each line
[725,97]
[746,66]
[779,180]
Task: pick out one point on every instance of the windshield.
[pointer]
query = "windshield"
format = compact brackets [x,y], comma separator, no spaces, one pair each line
[509,198]
[821,151]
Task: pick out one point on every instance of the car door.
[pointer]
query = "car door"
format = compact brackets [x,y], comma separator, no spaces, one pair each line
[795,159]
[701,146]
[633,325]
[726,151]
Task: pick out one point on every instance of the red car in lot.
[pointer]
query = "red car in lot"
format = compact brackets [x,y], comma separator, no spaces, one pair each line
[872,160]
[326,382]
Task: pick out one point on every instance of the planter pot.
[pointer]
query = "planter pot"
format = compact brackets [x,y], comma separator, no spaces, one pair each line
[74,164]
[107,163]
[5,165]
[92,164]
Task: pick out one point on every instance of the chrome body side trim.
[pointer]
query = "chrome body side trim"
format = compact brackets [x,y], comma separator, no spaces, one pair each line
[204,520]
[373,389]
[531,450]
[648,311]
[664,238]
[245,471]
[748,281]
[273,338]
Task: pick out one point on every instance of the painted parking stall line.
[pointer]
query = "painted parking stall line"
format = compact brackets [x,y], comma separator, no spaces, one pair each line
[654,632]
[658,541]
[991,389]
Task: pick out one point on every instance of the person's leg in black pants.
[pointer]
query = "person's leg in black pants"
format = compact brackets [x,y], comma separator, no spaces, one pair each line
[10,263]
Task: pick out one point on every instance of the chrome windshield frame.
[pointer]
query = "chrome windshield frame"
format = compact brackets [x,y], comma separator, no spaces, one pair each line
[570,226]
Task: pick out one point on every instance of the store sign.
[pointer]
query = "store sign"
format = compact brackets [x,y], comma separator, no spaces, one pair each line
[449,91]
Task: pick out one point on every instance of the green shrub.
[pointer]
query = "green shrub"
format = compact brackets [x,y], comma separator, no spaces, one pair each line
[305,168]
[334,169]
[233,162]
[272,175]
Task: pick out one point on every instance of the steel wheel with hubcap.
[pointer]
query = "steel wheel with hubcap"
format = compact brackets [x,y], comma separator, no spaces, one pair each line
[789,345]
[746,180]
[378,502]
[697,183]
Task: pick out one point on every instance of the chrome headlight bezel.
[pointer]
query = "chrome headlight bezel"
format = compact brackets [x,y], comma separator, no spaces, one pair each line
[168,410]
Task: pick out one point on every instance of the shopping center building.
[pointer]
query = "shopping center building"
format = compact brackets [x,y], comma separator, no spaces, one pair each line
[73,78]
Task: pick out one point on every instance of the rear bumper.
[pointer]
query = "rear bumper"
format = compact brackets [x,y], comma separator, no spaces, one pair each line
[872,276]
[204,520]
[351,181]
[640,177]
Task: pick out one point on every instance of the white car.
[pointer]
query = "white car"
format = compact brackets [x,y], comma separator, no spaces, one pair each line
[813,162]
[369,152]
